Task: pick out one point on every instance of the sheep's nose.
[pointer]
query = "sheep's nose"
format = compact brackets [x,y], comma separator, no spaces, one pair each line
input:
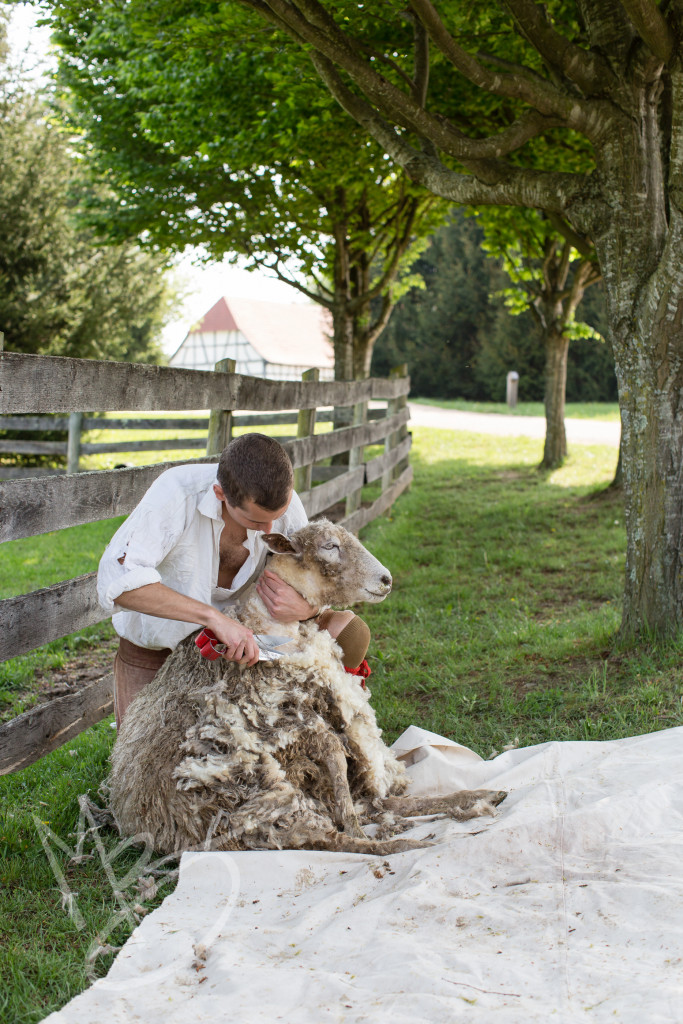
[386,580]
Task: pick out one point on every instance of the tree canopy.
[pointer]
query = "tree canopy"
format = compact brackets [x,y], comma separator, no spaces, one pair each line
[473,341]
[480,104]
[211,130]
[63,292]
[550,267]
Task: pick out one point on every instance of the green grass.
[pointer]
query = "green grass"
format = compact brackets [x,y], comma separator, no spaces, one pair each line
[501,627]
[109,460]
[608,411]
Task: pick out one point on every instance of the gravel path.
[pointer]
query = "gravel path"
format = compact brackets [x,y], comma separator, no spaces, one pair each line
[578,431]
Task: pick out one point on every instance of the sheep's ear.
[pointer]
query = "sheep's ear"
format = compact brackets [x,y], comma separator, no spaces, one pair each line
[279,544]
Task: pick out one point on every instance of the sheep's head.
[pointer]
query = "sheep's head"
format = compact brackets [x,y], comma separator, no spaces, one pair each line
[328,565]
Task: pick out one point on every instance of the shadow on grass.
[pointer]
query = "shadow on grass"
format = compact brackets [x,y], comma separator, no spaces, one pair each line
[507,602]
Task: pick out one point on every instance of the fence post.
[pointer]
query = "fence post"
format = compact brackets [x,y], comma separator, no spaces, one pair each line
[2,341]
[305,427]
[356,455]
[73,444]
[220,420]
[393,440]
[511,385]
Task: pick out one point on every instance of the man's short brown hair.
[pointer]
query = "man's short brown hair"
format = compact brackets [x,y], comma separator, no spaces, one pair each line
[255,468]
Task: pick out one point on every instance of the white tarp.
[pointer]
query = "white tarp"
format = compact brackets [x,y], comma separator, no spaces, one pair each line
[567,907]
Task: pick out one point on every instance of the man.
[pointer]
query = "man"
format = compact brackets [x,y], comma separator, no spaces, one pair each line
[191,547]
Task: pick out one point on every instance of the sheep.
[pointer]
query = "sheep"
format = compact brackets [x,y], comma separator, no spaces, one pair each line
[284,754]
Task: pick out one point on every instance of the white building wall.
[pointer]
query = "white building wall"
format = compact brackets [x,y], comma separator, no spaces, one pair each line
[202,350]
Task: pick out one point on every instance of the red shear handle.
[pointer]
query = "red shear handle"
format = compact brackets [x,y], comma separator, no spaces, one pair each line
[209,645]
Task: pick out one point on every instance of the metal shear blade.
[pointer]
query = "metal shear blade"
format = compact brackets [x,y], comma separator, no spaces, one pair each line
[269,645]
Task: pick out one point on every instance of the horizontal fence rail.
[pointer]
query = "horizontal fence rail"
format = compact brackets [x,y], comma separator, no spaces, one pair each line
[33,385]
[86,424]
[58,384]
[32,507]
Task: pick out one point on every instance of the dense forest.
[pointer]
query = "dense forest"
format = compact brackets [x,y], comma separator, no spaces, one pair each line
[460,339]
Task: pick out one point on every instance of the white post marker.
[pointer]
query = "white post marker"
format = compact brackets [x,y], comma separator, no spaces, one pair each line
[511,392]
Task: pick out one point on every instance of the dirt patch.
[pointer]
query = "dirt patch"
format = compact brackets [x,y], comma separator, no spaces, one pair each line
[78,672]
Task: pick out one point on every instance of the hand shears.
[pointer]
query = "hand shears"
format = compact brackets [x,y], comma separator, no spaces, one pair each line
[268,644]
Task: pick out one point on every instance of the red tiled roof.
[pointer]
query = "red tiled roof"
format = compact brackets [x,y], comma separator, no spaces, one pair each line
[290,333]
[219,318]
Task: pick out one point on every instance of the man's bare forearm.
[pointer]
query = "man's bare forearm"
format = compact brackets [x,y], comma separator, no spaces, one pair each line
[165,603]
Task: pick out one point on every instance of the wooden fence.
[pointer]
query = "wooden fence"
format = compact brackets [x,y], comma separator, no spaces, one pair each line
[77,427]
[32,386]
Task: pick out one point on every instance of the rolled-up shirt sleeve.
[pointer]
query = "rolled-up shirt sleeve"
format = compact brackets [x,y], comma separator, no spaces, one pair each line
[140,545]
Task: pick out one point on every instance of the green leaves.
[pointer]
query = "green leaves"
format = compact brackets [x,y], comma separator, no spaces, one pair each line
[62,292]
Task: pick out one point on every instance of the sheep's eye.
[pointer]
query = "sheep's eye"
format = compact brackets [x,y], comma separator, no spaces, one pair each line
[331,546]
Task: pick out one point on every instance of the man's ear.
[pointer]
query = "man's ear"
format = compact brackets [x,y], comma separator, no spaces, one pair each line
[279,544]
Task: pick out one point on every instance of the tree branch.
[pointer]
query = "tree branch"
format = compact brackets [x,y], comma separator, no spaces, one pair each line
[275,267]
[585,69]
[400,244]
[563,266]
[421,67]
[550,105]
[383,318]
[582,244]
[542,96]
[652,27]
[497,184]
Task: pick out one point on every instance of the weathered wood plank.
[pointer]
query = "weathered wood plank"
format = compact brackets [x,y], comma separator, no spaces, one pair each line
[322,446]
[34,506]
[34,423]
[305,427]
[178,423]
[30,384]
[34,619]
[382,463]
[395,438]
[168,423]
[171,444]
[363,516]
[33,447]
[17,472]
[356,458]
[73,447]
[327,472]
[389,387]
[30,507]
[37,732]
[220,420]
[57,384]
[319,498]
[39,505]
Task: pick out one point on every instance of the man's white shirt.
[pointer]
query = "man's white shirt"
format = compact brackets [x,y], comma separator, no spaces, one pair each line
[173,537]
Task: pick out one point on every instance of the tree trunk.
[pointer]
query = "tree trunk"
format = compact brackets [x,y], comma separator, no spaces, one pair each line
[618,480]
[556,353]
[342,340]
[342,321]
[640,245]
[650,385]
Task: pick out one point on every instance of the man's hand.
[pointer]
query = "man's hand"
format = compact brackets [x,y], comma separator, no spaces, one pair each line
[239,641]
[282,601]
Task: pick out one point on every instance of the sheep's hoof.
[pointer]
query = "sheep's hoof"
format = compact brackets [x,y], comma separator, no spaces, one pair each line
[471,803]
[465,804]
[375,847]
